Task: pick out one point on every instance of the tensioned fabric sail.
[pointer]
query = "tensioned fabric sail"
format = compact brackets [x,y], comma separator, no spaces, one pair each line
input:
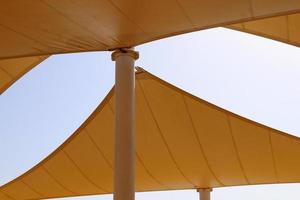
[284,28]
[46,27]
[12,69]
[183,142]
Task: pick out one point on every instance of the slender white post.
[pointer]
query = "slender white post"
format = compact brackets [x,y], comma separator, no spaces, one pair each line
[204,193]
[124,169]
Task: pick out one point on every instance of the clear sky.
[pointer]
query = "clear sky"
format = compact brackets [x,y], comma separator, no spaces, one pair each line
[251,76]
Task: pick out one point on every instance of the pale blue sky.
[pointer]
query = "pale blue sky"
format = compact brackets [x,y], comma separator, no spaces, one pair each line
[249,75]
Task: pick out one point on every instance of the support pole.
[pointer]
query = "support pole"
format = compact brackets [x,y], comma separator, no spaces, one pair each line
[124,169]
[204,193]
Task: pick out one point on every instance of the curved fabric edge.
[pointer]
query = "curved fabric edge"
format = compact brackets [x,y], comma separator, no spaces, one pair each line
[20,75]
[267,36]
[226,24]
[219,108]
[67,141]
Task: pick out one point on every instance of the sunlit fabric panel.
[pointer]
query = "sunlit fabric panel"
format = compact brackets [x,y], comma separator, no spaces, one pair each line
[282,28]
[46,27]
[12,69]
[182,142]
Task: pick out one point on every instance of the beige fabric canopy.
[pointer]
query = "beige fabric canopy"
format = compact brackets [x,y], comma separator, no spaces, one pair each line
[45,27]
[284,28]
[182,141]
[12,69]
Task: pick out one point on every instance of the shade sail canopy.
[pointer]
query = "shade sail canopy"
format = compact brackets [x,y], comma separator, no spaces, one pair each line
[46,27]
[284,28]
[182,142]
[12,69]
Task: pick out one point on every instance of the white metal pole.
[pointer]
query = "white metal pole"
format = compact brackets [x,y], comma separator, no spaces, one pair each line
[124,169]
[204,194]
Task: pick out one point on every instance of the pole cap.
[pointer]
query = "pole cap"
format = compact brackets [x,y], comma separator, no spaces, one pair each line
[125,51]
[204,189]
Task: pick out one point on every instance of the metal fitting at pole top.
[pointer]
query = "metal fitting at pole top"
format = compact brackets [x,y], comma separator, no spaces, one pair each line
[125,51]
[204,189]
